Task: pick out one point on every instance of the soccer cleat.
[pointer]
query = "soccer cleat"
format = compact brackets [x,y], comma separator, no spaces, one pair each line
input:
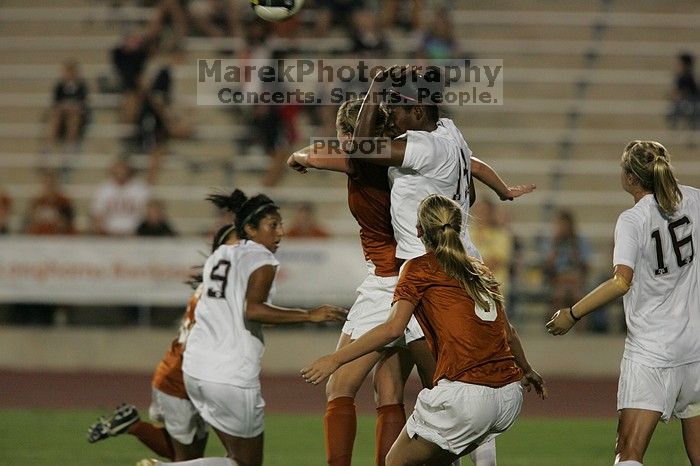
[124,417]
[98,431]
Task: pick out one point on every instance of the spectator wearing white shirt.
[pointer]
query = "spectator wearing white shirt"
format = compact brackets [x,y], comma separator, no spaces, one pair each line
[120,202]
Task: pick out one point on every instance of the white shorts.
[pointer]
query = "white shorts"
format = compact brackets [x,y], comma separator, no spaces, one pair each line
[372,306]
[672,391]
[180,417]
[455,415]
[234,410]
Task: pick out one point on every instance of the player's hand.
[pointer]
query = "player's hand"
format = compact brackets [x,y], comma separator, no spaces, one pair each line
[320,369]
[561,322]
[328,313]
[517,191]
[532,379]
[294,165]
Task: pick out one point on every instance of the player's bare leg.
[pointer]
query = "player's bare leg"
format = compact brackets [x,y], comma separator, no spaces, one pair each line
[244,451]
[388,396]
[691,439]
[634,430]
[340,420]
[408,451]
[424,360]
[184,452]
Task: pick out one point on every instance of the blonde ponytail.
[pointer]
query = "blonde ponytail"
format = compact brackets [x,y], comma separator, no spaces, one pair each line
[346,117]
[650,163]
[666,190]
[441,221]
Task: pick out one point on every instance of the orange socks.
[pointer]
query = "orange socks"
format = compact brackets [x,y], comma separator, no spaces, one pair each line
[155,438]
[390,421]
[340,426]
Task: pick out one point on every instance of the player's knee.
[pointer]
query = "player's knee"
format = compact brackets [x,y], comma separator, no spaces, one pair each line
[388,392]
[337,387]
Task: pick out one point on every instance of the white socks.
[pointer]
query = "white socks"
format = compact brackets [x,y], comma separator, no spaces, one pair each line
[485,454]
[629,463]
[203,462]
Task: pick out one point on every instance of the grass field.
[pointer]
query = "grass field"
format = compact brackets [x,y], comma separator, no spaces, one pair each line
[54,437]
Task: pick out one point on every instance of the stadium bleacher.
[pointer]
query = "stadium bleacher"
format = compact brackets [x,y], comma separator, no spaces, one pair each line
[580,80]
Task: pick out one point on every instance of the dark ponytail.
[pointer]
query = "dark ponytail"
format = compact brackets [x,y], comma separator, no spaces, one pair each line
[248,211]
[230,202]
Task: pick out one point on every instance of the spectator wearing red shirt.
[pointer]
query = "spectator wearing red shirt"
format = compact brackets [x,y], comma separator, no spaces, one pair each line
[51,212]
[305,224]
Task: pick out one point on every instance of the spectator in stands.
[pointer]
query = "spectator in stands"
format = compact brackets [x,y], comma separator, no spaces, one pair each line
[273,127]
[335,13]
[5,211]
[155,223]
[50,213]
[157,120]
[173,15]
[567,261]
[220,19]
[129,59]
[120,203]
[367,36]
[392,15]
[305,224]
[69,110]
[685,99]
[493,239]
[438,42]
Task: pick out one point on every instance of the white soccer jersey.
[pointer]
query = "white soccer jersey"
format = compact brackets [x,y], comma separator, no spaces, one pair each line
[436,162]
[662,308]
[223,346]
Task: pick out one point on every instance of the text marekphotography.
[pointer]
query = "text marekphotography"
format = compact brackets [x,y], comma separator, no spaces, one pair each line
[333,81]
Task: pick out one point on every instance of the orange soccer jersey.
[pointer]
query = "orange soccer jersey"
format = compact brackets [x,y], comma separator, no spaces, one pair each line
[468,347]
[168,374]
[369,201]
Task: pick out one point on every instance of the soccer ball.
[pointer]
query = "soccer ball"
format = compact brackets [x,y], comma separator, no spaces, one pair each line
[276,10]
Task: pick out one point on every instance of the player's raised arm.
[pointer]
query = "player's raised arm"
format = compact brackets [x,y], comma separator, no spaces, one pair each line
[367,119]
[321,157]
[487,175]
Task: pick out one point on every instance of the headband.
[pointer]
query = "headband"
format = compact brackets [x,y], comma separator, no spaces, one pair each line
[257,211]
[227,232]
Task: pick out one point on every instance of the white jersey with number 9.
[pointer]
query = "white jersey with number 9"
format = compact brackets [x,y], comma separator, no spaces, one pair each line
[223,346]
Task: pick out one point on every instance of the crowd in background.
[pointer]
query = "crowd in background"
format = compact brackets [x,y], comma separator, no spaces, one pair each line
[144,64]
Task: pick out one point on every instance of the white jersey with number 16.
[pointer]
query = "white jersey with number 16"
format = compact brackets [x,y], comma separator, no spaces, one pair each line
[223,346]
[662,308]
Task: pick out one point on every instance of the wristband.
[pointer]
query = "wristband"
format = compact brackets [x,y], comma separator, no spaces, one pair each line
[571,313]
